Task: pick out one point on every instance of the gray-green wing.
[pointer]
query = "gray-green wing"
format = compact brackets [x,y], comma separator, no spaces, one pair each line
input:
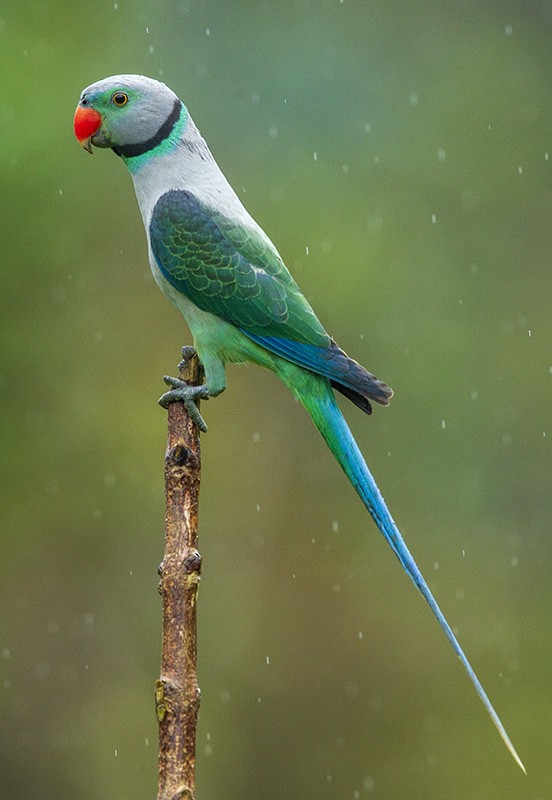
[230,271]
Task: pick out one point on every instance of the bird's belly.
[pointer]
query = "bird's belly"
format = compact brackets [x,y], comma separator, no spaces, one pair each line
[210,333]
[192,314]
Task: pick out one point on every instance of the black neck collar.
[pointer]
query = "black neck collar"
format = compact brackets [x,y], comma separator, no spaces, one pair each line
[138,149]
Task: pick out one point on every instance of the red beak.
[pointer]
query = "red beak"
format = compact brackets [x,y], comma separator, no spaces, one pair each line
[86,123]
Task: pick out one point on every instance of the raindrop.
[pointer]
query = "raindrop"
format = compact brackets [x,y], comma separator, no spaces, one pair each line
[514,561]
[436,566]
[207,31]
[59,294]
[433,219]
[368,784]
[520,170]
[441,154]
[307,249]
[443,424]
[335,526]
[351,689]
[268,661]
[375,223]
[52,486]
[256,436]
[374,703]
[508,30]
[110,480]
[315,156]
[42,669]
[413,98]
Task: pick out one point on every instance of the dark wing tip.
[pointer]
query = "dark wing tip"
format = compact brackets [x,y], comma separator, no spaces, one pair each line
[384,393]
[355,397]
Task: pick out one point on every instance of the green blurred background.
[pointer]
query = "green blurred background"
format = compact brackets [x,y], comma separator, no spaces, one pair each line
[405,146]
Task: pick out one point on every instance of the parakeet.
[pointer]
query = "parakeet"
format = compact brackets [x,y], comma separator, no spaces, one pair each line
[212,260]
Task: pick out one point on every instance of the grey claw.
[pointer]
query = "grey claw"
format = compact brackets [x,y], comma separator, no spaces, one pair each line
[188,352]
[176,383]
[188,395]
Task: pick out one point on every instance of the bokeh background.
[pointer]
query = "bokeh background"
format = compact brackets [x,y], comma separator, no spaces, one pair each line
[398,154]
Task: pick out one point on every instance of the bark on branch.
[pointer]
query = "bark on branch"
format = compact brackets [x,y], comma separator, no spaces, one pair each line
[177,693]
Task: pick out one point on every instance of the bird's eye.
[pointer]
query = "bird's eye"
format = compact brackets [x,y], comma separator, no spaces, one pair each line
[120,99]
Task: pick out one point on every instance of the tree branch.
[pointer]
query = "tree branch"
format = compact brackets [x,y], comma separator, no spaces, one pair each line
[176,692]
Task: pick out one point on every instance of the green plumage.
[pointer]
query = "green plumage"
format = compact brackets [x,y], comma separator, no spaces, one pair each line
[241,303]
[230,271]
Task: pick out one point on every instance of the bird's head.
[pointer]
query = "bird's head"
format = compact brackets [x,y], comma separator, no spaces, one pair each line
[130,113]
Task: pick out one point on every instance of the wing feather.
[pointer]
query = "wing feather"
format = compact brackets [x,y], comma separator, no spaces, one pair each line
[230,271]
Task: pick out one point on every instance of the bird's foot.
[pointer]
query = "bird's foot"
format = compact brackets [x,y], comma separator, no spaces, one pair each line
[183,393]
[188,352]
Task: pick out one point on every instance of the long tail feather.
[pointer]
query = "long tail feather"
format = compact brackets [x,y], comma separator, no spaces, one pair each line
[327,417]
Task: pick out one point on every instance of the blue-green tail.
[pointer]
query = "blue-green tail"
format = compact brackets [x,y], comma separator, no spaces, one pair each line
[327,417]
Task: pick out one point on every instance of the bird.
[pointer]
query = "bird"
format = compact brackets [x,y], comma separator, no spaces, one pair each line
[220,269]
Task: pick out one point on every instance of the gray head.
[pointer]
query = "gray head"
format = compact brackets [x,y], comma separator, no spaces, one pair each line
[130,113]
